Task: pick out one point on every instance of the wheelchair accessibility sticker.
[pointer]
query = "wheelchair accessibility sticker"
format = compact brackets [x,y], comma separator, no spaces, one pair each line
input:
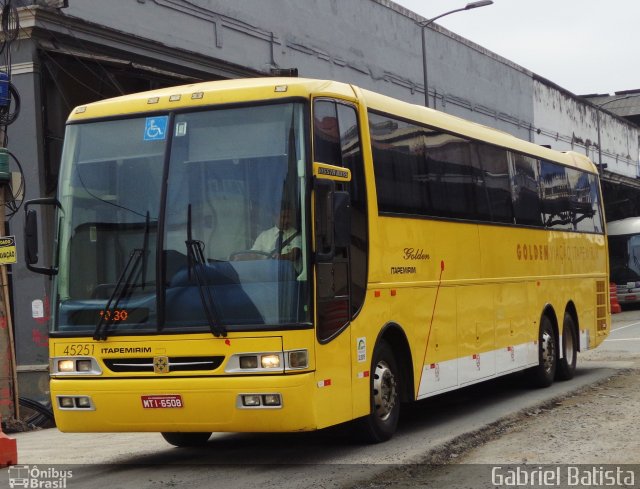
[155,128]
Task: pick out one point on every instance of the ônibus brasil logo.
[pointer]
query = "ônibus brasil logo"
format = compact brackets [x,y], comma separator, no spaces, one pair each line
[34,477]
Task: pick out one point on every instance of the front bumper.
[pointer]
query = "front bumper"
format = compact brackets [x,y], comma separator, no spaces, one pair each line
[209,404]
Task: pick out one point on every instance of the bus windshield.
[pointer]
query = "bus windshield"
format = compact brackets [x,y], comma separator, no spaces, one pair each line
[624,257]
[220,246]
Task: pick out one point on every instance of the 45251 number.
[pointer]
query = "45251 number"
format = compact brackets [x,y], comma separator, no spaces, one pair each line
[78,350]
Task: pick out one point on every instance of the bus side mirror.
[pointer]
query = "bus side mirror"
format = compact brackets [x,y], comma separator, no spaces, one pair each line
[31,246]
[31,237]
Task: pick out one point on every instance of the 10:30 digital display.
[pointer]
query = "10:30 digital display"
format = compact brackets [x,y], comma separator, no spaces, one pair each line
[115,315]
[88,317]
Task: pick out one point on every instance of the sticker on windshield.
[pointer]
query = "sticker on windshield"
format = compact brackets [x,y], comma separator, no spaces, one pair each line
[155,128]
[181,129]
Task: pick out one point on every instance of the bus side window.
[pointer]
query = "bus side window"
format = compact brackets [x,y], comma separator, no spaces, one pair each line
[352,159]
[495,173]
[337,142]
[525,182]
[326,137]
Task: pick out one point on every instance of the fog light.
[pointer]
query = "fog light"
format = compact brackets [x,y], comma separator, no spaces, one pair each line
[83,402]
[249,362]
[66,366]
[66,402]
[251,400]
[271,400]
[298,359]
[270,361]
[83,365]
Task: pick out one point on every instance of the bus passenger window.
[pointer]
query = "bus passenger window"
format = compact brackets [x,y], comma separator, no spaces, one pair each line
[557,207]
[495,173]
[525,182]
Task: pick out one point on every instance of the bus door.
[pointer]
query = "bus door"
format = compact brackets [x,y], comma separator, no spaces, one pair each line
[333,259]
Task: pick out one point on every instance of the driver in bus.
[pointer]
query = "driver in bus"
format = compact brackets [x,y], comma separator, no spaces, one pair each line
[282,241]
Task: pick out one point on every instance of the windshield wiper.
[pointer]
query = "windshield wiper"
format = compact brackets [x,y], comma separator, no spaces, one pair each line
[124,284]
[118,293]
[196,264]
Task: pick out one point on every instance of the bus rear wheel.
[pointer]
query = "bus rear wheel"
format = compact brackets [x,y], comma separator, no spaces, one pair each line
[542,375]
[567,364]
[186,439]
[382,421]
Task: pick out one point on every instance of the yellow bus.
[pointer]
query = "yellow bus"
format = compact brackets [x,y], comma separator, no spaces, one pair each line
[286,254]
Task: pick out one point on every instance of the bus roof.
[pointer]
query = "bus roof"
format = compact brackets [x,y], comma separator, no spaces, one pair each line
[211,93]
[630,225]
[273,88]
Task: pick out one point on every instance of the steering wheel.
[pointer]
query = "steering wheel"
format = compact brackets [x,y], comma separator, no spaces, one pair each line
[245,255]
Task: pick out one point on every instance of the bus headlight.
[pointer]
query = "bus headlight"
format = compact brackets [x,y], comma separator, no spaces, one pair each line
[270,361]
[251,400]
[78,403]
[66,366]
[249,361]
[298,359]
[83,402]
[84,365]
[272,400]
[255,362]
[75,366]
[259,401]
[66,402]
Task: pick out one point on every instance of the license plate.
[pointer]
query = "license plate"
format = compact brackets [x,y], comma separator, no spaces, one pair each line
[162,402]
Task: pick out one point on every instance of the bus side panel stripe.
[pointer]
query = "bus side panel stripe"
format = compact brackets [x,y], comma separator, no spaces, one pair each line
[452,374]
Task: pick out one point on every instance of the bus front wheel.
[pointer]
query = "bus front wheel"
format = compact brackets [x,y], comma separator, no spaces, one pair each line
[186,439]
[381,423]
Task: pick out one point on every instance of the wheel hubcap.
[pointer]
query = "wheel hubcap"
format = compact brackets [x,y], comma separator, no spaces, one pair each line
[548,351]
[384,391]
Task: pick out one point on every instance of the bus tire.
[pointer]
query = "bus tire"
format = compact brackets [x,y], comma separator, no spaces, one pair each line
[567,364]
[186,439]
[542,375]
[382,421]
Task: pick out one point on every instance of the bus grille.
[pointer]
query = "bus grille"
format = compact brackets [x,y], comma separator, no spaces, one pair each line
[175,364]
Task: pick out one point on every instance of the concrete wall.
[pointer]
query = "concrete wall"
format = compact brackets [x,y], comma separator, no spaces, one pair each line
[566,123]
[375,44]
[372,43]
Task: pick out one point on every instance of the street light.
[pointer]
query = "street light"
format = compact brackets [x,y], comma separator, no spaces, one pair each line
[425,23]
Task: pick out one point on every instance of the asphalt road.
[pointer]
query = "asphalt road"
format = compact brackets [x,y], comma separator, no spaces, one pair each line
[327,459]
[625,332]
